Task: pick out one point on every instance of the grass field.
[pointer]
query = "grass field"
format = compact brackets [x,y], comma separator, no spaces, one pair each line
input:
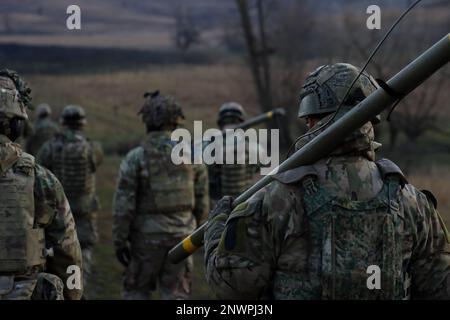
[112,101]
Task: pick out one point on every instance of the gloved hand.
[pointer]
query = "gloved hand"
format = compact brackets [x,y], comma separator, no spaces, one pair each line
[222,208]
[123,255]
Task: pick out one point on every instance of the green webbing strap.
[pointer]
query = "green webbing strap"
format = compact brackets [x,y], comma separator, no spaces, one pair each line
[393,182]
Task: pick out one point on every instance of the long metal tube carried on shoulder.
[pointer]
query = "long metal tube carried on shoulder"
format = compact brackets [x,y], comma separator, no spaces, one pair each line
[403,83]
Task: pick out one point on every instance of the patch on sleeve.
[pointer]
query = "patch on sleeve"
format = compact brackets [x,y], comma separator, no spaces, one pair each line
[234,239]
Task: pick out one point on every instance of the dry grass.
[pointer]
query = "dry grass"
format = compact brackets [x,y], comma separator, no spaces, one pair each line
[112,100]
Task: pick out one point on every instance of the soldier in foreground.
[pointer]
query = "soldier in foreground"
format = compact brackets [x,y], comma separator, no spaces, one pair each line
[74,159]
[44,129]
[38,241]
[156,205]
[316,231]
[231,179]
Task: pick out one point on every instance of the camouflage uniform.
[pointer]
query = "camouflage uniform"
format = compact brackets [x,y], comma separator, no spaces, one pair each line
[314,232]
[74,159]
[38,241]
[44,129]
[231,179]
[156,205]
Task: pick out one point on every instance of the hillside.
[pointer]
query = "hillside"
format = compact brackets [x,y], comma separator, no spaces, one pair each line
[113,23]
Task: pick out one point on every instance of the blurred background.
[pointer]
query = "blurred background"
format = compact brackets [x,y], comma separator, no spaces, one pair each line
[207,52]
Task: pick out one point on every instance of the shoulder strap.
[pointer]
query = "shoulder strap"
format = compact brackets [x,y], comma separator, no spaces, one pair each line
[394,180]
[388,168]
[27,160]
[314,196]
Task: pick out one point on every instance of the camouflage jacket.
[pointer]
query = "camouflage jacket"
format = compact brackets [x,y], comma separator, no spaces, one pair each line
[44,129]
[265,249]
[136,171]
[53,214]
[75,171]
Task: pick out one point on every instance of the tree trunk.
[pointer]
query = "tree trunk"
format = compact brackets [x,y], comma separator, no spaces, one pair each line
[258,59]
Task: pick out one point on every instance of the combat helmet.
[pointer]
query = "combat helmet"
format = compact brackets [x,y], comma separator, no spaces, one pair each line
[43,110]
[325,88]
[73,115]
[230,112]
[14,95]
[161,112]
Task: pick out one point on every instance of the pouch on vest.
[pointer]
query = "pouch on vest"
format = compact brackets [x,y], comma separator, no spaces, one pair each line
[72,165]
[21,245]
[164,188]
[350,239]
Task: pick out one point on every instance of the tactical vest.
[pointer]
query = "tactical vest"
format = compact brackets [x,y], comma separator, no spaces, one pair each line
[72,164]
[234,179]
[164,188]
[349,242]
[22,245]
[214,181]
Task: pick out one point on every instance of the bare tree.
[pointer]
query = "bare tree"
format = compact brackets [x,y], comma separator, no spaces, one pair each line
[417,113]
[294,40]
[260,50]
[186,31]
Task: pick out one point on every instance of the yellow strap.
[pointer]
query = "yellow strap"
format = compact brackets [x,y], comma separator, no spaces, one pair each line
[188,246]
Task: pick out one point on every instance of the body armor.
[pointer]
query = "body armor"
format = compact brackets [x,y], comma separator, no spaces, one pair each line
[73,165]
[234,178]
[347,237]
[22,245]
[164,188]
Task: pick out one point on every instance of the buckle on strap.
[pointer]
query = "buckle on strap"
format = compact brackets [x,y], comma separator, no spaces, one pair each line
[310,186]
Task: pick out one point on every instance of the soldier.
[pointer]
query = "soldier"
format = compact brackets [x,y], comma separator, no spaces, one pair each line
[38,242]
[231,179]
[74,159]
[320,231]
[44,129]
[157,203]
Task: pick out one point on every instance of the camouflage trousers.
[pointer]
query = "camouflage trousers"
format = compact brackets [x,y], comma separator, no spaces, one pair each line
[149,268]
[43,286]
[88,236]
